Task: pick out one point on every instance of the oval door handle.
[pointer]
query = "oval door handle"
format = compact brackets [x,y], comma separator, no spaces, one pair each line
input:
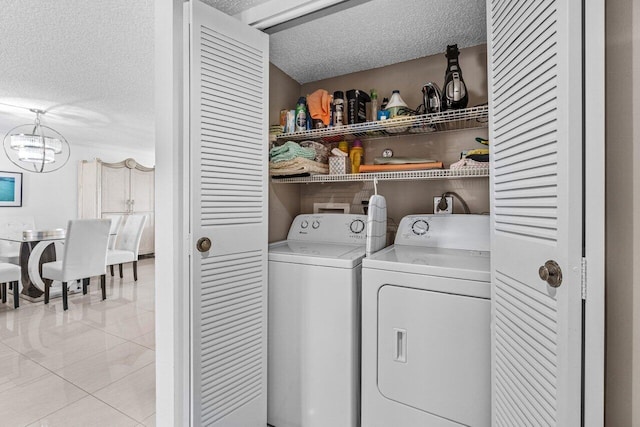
[203,244]
[551,273]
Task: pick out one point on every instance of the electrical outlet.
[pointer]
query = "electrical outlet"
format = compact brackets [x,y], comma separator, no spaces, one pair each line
[436,208]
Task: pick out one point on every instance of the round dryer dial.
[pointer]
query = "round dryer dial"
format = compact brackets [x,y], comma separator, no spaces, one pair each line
[357,226]
[420,227]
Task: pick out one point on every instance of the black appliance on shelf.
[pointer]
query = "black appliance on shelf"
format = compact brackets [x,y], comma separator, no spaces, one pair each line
[454,91]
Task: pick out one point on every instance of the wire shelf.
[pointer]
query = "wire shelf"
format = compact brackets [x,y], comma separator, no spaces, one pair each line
[446,121]
[390,176]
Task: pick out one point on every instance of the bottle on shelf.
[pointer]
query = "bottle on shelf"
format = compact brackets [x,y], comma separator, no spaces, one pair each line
[374,105]
[338,108]
[356,155]
[383,114]
[396,105]
[343,146]
[301,114]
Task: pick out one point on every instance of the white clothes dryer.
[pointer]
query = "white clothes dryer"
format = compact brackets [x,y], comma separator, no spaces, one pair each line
[426,325]
[314,322]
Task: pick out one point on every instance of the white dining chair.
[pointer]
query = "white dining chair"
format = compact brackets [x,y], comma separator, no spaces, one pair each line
[10,273]
[10,251]
[127,245]
[116,223]
[85,255]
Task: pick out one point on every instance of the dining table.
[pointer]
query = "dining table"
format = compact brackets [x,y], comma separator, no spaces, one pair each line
[36,248]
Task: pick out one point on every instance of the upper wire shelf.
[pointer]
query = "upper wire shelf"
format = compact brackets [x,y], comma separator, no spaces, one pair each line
[451,120]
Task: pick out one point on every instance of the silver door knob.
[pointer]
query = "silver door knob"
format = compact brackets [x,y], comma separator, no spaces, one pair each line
[551,273]
[203,244]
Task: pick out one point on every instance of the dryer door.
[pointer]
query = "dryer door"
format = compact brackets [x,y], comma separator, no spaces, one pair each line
[434,352]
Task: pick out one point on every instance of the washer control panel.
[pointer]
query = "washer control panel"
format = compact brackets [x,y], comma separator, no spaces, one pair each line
[445,231]
[329,228]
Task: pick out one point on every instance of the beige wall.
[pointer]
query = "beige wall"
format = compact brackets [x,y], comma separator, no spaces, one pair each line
[623,213]
[284,200]
[405,198]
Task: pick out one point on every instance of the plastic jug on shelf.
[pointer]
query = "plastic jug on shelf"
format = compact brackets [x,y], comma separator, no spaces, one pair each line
[396,105]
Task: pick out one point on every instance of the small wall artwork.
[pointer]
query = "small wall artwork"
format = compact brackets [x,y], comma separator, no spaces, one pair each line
[10,189]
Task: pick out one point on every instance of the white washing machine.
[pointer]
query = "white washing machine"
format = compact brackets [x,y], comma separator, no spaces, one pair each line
[426,325]
[314,322]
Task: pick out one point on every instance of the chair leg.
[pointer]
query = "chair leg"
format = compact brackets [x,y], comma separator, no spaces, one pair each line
[85,283]
[16,295]
[103,285]
[46,291]
[120,269]
[111,268]
[135,271]
[4,293]
[65,303]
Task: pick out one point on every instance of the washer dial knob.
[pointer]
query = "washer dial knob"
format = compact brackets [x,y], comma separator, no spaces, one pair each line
[315,224]
[304,224]
[357,226]
[420,227]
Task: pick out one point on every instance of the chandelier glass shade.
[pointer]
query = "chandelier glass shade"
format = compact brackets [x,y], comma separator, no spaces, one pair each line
[35,147]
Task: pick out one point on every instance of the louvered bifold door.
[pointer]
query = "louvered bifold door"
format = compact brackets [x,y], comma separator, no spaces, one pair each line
[535,80]
[228,115]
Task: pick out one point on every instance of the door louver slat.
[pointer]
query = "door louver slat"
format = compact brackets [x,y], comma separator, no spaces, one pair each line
[523,71]
[228,146]
[526,325]
[241,95]
[230,383]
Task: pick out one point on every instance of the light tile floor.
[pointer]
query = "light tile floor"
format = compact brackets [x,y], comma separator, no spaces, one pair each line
[93,365]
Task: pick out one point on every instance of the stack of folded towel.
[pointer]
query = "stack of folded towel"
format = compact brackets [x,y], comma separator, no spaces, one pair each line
[473,159]
[290,159]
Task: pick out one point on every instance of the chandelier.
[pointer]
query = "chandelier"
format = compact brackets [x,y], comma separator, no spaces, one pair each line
[35,147]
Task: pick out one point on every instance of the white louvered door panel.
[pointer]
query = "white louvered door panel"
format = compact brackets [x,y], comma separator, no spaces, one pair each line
[228,114]
[535,78]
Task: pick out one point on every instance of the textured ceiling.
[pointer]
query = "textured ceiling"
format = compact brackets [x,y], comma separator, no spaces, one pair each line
[89,64]
[370,35]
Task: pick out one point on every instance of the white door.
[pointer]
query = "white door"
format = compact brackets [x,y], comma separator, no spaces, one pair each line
[535,80]
[228,116]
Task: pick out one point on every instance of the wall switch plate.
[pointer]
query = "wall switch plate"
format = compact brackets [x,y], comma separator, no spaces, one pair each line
[436,202]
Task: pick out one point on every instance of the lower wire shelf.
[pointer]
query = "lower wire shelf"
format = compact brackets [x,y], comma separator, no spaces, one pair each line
[389,176]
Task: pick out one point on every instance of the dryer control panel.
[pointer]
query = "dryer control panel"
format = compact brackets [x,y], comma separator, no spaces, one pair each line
[445,231]
[329,228]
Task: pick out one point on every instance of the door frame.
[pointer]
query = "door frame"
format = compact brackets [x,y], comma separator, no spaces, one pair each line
[594,210]
[172,228]
[172,277]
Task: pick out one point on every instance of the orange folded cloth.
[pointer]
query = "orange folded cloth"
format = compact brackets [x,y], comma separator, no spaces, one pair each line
[398,168]
[319,103]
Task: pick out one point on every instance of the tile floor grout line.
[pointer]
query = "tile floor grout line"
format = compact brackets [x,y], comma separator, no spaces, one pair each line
[89,393]
[62,407]
[76,401]
[143,294]
[108,404]
[120,379]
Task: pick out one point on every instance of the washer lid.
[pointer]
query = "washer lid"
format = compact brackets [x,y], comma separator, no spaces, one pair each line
[454,263]
[315,253]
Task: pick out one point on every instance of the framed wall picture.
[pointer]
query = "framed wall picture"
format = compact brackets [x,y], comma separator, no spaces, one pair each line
[10,189]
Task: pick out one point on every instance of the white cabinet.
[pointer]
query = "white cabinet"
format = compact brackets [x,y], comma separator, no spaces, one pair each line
[106,190]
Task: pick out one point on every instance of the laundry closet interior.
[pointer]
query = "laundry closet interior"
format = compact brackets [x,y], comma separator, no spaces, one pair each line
[407,196]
